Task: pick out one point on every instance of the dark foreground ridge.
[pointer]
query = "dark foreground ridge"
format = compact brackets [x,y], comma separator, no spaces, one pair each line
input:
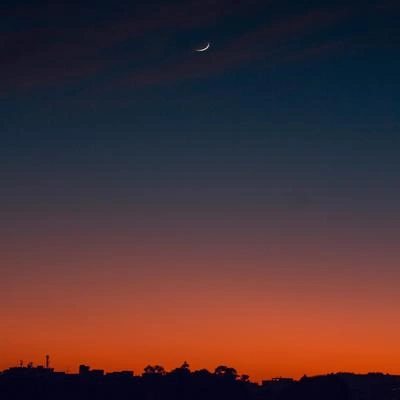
[183,384]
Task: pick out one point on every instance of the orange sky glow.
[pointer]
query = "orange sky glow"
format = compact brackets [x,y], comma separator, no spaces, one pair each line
[123,307]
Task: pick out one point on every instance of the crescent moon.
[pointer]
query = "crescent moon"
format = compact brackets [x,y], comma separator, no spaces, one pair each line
[204,48]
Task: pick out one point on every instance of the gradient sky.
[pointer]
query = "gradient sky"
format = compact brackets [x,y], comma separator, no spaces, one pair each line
[238,206]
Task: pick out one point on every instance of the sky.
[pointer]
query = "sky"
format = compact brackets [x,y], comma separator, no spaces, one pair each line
[238,206]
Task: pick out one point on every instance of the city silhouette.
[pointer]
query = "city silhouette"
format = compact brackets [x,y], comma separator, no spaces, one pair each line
[155,383]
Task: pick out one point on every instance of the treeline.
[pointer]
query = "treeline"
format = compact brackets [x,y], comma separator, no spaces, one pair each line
[155,383]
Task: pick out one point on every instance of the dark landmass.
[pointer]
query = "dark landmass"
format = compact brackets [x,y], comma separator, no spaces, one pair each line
[183,384]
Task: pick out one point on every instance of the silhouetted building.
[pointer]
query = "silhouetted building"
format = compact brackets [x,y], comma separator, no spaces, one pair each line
[84,369]
[277,385]
[278,381]
[120,374]
[98,373]
[28,371]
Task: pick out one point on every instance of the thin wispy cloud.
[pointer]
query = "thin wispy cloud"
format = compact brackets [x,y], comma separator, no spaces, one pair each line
[133,49]
[258,44]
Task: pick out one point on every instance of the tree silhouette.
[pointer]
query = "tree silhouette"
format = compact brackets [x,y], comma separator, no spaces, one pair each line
[149,370]
[185,365]
[226,372]
[154,370]
[182,371]
[159,370]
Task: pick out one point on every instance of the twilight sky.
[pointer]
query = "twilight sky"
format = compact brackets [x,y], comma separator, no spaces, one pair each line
[237,206]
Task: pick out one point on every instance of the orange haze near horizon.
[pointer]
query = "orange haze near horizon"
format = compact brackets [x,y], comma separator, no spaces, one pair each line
[276,307]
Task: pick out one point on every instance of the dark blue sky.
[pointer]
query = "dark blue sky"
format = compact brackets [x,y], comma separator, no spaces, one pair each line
[295,104]
[304,92]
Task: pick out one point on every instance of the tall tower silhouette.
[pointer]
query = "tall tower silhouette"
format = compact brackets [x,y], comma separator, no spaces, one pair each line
[47,361]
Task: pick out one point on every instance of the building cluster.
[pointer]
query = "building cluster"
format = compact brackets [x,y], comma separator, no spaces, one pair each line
[85,371]
[45,371]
